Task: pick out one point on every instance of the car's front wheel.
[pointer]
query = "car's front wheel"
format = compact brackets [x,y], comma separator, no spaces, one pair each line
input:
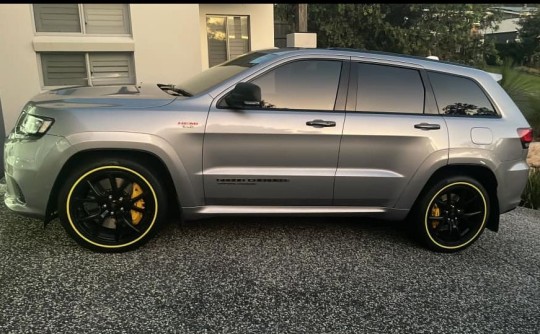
[452,214]
[112,205]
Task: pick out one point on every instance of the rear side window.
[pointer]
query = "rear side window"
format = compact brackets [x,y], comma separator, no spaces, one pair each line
[459,96]
[383,88]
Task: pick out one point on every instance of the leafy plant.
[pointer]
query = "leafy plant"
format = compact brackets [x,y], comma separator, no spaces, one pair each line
[531,195]
[524,89]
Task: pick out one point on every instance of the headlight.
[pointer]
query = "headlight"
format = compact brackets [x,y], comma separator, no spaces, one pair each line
[32,125]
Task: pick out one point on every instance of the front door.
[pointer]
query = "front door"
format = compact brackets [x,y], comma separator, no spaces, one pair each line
[284,153]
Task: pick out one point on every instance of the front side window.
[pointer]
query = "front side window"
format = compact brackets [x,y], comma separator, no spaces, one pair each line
[83,18]
[302,85]
[459,96]
[87,69]
[218,74]
[228,37]
[383,88]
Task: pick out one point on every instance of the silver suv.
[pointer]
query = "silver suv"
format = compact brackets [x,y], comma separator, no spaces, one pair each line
[275,132]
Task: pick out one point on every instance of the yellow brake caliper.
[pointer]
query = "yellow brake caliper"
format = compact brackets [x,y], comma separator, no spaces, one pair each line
[435,212]
[136,216]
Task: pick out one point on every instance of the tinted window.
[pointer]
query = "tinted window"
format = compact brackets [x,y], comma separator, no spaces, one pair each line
[217,74]
[384,88]
[306,84]
[459,96]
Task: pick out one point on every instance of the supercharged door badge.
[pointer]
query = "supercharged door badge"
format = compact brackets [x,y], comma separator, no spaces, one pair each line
[249,181]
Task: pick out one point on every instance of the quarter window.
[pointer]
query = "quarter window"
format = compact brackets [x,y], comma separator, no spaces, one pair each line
[228,37]
[107,68]
[306,84]
[383,88]
[459,96]
[82,18]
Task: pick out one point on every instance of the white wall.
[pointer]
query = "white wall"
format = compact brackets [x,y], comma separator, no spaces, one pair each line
[19,76]
[261,20]
[167,47]
[168,40]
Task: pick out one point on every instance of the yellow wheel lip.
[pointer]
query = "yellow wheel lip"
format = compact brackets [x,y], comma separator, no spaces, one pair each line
[98,169]
[433,199]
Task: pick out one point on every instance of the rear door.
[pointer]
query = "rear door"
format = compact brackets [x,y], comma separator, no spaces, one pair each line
[392,129]
[286,152]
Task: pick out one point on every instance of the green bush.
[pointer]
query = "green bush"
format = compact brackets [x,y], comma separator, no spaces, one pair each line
[531,195]
[524,89]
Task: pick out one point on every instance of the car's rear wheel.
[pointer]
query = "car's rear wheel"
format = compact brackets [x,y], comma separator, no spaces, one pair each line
[112,205]
[452,214]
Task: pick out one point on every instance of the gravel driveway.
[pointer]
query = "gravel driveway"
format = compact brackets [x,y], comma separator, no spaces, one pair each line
[263,275]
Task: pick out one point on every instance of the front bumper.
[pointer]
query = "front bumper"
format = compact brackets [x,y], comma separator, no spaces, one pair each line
[31,168]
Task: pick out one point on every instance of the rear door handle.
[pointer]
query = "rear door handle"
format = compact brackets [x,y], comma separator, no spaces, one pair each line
[427,126]
[319,123]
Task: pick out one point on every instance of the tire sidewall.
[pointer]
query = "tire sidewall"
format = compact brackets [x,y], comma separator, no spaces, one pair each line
[79,173]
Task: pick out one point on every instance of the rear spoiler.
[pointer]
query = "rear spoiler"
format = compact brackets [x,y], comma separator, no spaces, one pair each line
[498,77]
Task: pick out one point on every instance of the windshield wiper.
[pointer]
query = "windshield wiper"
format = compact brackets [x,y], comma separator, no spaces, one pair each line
[174,89]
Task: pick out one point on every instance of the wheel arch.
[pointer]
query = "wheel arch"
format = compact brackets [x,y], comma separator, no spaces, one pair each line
[482,174]
[151,160]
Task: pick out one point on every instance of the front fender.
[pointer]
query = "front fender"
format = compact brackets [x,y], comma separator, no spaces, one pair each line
[187,183]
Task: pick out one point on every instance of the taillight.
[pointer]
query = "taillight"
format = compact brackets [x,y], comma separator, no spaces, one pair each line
[526,136]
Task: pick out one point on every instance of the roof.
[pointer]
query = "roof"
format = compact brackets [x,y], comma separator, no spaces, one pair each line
[418,60]
[518,10]
[508,25]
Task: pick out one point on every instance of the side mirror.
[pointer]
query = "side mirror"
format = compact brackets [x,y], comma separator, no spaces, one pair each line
[244,95]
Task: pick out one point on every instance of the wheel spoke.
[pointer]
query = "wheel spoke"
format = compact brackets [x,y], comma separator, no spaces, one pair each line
[85,200]
[112,181]
[436,218]
[91,217]
[137,198]
[94,190]
[470,214]
[470,201]
[117,234]
[130,225]
[123,186]
[441,203]
[136,208]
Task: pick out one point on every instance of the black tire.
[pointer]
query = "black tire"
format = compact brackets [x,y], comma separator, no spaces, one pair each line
[452,214]
[112,205]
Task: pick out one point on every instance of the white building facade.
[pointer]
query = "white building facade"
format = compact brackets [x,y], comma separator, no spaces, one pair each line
[46,46]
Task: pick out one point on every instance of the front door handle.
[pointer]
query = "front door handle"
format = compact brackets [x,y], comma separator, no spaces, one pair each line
[319,123]
[427,126]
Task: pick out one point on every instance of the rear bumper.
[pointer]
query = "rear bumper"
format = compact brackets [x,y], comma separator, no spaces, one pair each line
[512,177]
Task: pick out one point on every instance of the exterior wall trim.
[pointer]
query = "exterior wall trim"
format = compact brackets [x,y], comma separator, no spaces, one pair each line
[82,44]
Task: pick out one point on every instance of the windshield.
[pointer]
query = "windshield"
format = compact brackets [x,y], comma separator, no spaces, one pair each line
[217,74]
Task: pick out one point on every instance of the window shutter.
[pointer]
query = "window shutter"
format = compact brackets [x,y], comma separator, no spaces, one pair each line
[217,40]
[112,68]
[57,17]
[106,18]
[238,40]
[63,69]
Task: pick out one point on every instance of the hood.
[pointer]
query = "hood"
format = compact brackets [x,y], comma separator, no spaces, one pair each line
[125,96]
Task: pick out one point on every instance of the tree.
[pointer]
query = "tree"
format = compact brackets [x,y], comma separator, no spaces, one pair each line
[450,31]
[529,35]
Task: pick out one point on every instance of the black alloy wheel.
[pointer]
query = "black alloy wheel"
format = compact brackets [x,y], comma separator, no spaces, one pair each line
[114,206]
